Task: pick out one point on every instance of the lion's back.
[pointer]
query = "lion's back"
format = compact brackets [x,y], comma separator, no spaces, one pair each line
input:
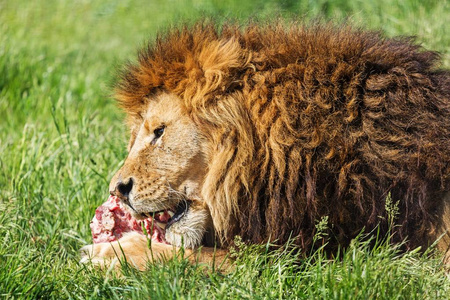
[346,118]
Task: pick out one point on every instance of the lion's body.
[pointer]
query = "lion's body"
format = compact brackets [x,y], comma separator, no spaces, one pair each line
[294,124]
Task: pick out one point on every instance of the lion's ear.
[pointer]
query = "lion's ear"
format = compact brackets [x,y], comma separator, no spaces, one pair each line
[220,56]
[217,62]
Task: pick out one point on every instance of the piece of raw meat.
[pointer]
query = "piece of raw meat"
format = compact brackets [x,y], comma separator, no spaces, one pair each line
[112,220]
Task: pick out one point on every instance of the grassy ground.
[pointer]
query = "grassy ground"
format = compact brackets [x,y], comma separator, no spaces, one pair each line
[62,138]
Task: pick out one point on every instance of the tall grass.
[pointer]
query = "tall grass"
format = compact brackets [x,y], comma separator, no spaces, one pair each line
[62,138]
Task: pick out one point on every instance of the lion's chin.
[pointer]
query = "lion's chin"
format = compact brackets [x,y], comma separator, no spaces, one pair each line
[189,230]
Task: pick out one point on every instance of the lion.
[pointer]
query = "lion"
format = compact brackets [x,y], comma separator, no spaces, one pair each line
[260,131]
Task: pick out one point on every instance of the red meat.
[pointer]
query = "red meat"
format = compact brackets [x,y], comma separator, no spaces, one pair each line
[112,220]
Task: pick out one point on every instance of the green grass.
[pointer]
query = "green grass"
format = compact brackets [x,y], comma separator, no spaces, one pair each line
[62,138]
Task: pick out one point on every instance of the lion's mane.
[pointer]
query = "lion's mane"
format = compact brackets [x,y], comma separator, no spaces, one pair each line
[305,122]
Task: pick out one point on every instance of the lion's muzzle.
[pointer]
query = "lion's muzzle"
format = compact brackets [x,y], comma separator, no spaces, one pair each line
[122,189]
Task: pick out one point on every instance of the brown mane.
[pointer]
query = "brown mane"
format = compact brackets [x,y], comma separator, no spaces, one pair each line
[305,122]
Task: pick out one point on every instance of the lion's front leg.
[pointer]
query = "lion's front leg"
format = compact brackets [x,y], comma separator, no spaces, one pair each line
[132,247]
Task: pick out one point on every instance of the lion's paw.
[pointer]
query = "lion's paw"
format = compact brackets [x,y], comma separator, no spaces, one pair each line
[132,247]
[98,254]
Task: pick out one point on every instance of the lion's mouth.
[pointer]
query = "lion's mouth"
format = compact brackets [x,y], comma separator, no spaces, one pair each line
[156,223]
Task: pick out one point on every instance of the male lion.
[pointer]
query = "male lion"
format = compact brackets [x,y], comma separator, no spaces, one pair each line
[261,131]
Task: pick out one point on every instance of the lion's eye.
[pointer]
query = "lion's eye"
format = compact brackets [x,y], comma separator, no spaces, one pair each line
[158,132]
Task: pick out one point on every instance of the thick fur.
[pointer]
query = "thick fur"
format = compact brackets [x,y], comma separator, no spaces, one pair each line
[306,122]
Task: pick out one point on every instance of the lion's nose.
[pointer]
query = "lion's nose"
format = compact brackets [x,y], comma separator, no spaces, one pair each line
[123,189]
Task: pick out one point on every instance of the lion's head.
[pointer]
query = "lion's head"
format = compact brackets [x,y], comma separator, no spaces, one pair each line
[165,170]
[263,131]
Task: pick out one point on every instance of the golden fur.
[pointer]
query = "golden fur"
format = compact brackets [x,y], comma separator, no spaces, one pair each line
[288,124]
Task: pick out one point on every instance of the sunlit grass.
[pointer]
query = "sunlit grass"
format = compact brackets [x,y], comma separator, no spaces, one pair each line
[62,138]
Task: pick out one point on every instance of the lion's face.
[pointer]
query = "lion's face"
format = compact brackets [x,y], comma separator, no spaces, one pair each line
[164,171]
